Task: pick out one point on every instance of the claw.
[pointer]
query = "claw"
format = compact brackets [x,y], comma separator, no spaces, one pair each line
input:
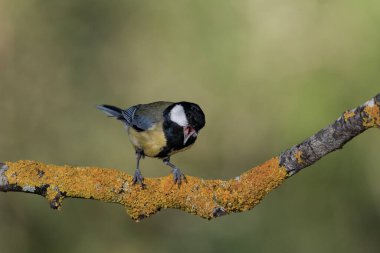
[138,178]
[178,176]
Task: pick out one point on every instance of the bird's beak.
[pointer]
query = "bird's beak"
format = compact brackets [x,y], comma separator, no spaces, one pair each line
[188,131]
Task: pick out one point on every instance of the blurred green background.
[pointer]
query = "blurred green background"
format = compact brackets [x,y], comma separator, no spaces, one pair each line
[268,74]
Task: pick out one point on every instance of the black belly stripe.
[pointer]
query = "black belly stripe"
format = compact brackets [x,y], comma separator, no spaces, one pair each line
[174,137]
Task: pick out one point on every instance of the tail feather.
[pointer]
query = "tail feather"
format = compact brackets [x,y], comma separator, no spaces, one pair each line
[111,111]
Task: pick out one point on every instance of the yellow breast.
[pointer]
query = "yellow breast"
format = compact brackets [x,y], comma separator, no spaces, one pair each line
[151,141]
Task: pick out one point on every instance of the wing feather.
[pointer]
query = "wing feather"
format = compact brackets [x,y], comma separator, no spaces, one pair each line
[142,117]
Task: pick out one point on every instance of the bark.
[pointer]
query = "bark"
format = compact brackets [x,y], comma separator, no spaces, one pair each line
[205,198]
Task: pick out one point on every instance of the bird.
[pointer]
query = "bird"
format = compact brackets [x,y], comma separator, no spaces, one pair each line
[159,130]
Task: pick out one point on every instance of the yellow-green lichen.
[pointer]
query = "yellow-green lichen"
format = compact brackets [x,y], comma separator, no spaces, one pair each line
[348,114]
[298,156]
[373,116]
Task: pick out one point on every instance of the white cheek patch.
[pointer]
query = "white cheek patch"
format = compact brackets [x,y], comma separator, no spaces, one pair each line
[177,115]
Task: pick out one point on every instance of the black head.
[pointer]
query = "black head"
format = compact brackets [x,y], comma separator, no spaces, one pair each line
[187,114]
[194,115]
[181,126]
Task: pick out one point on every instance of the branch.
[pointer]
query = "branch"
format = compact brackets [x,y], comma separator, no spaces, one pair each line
[205,198]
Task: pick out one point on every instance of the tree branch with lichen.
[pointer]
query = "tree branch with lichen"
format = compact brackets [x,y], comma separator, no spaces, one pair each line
[205,198]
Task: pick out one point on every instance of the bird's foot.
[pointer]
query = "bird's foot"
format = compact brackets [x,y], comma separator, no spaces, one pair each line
[178,176]
[138,179]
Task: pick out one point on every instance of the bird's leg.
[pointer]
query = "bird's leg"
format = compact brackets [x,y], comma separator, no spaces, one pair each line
[178,176]
[138,178]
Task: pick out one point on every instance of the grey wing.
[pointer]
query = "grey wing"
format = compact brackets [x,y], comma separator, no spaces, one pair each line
[144,116]
[135,117]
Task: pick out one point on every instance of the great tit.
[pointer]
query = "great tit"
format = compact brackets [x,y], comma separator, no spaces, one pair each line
[160,129]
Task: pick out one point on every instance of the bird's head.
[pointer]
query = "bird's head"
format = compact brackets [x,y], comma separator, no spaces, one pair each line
[189,116]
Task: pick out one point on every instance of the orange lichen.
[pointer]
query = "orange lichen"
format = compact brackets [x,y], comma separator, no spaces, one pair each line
[197,196]
[373,116]
[348,114]
[298,156]
[86,182]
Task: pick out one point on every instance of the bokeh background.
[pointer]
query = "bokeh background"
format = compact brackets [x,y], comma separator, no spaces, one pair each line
[268,74]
